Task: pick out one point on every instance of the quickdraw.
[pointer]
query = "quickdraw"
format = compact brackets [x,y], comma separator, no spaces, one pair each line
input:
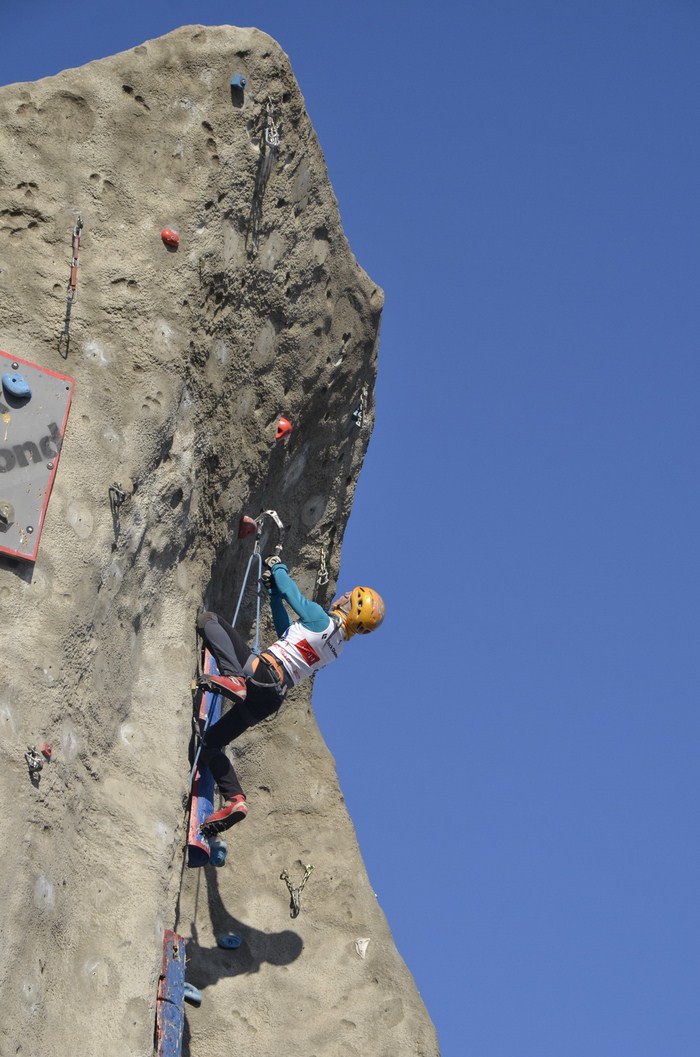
[117,496]
[295,893]
[34,760]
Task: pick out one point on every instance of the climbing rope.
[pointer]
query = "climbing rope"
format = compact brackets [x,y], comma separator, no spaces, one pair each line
[295,893]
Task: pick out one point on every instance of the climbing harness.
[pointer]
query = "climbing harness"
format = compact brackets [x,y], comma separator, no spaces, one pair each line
[244,530]
[360,411]
[295,893]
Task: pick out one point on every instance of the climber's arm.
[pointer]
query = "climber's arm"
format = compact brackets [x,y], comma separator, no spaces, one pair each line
[280,616]
[311,614]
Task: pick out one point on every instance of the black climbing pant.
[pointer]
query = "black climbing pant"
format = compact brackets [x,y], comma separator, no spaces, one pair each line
[264,696]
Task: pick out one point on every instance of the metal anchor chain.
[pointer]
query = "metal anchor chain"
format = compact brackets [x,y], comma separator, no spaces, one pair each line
[322,574]
[270,140]
[272,136]
[359,412]
[72,288]
[71,294]
[295,893]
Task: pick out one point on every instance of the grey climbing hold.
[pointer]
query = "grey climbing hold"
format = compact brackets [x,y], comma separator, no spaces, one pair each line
[7,513]
[218,850]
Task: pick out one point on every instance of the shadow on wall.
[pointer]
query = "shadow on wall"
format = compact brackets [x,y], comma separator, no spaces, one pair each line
[206,965]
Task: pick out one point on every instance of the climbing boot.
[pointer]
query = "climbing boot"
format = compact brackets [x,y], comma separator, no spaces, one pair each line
[233,811]
[230,685]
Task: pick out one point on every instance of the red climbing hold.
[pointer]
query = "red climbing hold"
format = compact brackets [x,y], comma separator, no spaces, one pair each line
[46,750]
[247,527]
[170,238]
[284,428]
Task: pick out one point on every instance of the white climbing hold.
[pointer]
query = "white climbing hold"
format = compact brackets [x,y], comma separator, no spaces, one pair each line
[163,832]
[94,351]
[80,520]
[295,470]
[44,894]
[222,353]
[7,717]
[32,995]
[361,945]
[69,745]
[312,511]
[112,437]
[128,733]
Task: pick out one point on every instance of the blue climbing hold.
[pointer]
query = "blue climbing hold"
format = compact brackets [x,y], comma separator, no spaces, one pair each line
[218,850]
[229,941]
[16,385]
[238,81]
[192,995]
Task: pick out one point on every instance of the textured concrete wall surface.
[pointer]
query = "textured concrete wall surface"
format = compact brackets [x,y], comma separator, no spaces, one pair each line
[183,360]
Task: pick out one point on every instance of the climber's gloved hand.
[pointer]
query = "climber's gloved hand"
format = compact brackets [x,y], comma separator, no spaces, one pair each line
[269,564]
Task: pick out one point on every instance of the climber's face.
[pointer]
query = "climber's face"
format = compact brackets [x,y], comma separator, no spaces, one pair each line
[342,604]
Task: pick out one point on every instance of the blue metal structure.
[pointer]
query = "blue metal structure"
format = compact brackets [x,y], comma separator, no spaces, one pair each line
[170,1003]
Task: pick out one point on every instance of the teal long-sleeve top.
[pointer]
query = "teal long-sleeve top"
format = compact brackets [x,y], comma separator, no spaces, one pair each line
[311,615]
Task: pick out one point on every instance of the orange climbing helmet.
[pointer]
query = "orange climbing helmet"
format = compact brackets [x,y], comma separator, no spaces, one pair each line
[360,610]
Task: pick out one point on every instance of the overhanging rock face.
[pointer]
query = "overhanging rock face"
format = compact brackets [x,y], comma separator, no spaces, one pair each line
[184,358]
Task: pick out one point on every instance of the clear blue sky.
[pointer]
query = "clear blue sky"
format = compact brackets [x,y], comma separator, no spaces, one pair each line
[518,746]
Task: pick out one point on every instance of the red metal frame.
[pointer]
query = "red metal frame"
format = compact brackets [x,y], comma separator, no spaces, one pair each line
[64,378]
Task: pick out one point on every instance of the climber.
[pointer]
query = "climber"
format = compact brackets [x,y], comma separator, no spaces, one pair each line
[258,685]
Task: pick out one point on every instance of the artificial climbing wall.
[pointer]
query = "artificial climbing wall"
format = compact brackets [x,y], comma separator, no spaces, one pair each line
[183,358]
